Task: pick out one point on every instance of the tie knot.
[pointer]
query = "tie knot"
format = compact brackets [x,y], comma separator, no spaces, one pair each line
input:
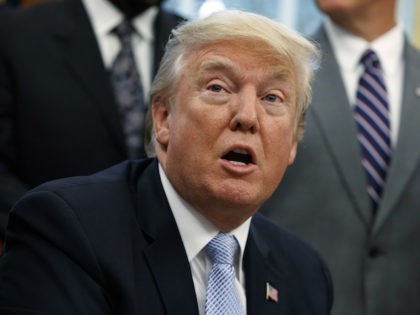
[370,60]
[222,249]
[123,30]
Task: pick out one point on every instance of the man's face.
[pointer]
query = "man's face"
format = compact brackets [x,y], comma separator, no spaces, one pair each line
[342,9]
[336,6]
[229,133]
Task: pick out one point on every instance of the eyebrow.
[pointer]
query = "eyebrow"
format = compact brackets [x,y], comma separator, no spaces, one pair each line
[281,73]
[219,64]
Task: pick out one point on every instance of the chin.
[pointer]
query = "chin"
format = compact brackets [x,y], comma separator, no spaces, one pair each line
[238,197]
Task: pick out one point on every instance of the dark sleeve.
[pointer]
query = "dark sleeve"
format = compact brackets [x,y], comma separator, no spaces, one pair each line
[11,187]
[49,265]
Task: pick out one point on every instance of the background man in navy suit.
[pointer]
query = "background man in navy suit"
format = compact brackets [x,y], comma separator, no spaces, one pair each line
[227,104]
[372,253]
[58,113]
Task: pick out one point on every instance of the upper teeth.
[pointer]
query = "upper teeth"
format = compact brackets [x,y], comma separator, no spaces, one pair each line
[241,151]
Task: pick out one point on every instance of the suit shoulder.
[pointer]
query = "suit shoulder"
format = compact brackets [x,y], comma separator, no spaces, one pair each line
[112,174]
[18,26]
[98,201]
[106,190]
[24,18]
[125,173]
[293,247]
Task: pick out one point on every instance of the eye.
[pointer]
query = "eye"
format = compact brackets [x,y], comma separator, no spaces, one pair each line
[215,91]
[215,88]
[273,98]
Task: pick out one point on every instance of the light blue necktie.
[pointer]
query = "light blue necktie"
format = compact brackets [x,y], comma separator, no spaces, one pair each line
[371,113]
[129,92]
[221,295]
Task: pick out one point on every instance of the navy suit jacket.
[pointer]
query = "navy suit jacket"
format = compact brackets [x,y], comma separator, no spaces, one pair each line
[58,115]
[109,244]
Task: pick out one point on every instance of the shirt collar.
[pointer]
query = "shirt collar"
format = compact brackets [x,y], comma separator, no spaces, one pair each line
[349,48]
[196,231]
[105,17]
[144,23]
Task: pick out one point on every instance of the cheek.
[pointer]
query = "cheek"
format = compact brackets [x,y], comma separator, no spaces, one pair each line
[280,145]
[186,134]
[201,122]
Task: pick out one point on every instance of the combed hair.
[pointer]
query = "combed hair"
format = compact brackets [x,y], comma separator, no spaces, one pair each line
[290,46]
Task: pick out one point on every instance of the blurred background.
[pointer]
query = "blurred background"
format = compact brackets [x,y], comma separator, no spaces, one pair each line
[301,15]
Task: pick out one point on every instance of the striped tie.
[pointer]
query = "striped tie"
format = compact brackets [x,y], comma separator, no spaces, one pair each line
[371,113]
[221,295]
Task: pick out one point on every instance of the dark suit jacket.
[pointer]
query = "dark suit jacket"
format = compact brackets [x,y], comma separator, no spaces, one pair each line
[58,116]
[109,244]
[374,261]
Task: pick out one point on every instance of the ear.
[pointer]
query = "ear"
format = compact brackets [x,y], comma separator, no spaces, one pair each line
[293,151]
[160,113]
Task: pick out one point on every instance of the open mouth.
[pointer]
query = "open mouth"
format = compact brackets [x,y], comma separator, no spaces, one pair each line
[238,157]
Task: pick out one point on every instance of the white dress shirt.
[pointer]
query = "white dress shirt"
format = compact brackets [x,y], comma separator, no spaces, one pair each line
[348,50]
[104,17]
[196,231]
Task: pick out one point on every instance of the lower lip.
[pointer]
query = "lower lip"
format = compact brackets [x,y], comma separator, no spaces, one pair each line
[239,169]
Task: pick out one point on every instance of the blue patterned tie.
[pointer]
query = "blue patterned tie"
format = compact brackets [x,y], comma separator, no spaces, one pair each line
[372,118]
[221,295]
[129,92]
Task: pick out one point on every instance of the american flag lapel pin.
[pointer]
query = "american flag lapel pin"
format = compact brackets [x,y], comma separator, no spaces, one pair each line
[271,293]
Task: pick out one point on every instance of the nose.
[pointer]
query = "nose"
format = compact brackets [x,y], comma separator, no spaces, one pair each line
[245,115]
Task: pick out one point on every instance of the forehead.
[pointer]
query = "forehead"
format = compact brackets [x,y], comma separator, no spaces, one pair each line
[243,56]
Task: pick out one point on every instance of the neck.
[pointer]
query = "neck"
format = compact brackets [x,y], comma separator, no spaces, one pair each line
[229,218]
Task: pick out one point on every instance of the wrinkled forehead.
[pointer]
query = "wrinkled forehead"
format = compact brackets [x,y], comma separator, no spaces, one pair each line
[227,55]
[242,59]
[251,46]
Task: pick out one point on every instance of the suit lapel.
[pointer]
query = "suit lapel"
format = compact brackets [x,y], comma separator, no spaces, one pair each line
[332,114]
[170,267]
[166,256]
[259,273]
[79,51]
[407,153]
